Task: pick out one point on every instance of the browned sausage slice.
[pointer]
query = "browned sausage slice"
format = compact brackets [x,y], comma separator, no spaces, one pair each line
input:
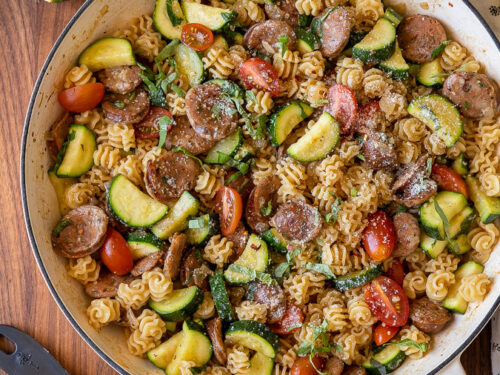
[283,10]
[81,232]
[334,366]
[335,29]
[120,79]
[171,267]
[354,370]
[407,234]
[214,330]
[378,149]
[298,221]
[126,107]
[476,95]
[168,176]
[182,134]
[211,115]
[193,270]
[259,198]
[147,263]
[239,239]
[273,297]
[58,133]
[270,32]
[429,316]
[106,286]
[418,36]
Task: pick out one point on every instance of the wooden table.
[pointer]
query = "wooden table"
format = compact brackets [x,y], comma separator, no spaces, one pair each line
[28,29]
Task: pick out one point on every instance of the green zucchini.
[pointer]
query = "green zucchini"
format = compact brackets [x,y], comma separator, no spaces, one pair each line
[431,74]
[163,354]
[179,305]
[488,207]
[260,364]
[220,297]
[306,40]
[142,244]
[396,65]
[390,357]
[440,115]
[454,301]
[76,157]
[378,45]
[177,219]
[161,19]
[245,152]
[285,119]
[460,165]
[355,37]
[354,279]
[393,16]
[318,141]
[255,257]
[228,146]
[60,185]
[461,245]
[200,229]
[276,240]
[132,206]
[189,64]
[253,335]
[209,16]
[107,53]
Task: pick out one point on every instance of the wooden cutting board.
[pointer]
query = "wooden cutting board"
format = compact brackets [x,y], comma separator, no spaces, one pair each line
[28,29]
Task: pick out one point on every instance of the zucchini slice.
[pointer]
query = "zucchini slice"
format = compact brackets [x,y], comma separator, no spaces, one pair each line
[285,119]
[220,297]
[378,45]
[253,335]
[176,219]
[60,184]
[162,21]
[440,115]
[189,64]
[306,40]
[430,74]
[393,16]
[276,240]
[488,207]
[163,354]
[206,226]
[131,205]
[142,244]
[260,365]
[460,165]
[396,65]
[462,245]
[454,301]
[390,357]
[76,157]
[228,146]
[354,279]
[450,202]
[179,305]
[255,256]
[209,16]
[107,53]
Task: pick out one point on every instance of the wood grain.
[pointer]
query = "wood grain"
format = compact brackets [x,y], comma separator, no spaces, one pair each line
[28,29]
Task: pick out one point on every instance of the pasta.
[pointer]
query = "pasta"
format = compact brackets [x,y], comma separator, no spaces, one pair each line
[453,56]
[313,92]
[312,65]
[218,250]
[106,156]
[249,310]
[414,334]
[159,284]
[374,83]
[350,72]
[134,295]
[393,105]
[207,307]
[84,269]
[309,7]
[207,186]
[437,284]
[368,11]
[474,288]
[78,75]
[286,64]
[261,104]
[238,360]
[79,194]
[103,311]
[218,62]
[414,284]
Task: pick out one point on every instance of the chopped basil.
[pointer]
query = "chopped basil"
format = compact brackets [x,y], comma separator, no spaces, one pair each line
[400,208]
[163,124]
[446,225]
[119,104]
[168,50]
[177,90]
[284,268]
[354,192]
[319,332]
[132,95]
[156,94]
[466,104]
[197,254]
[62,151]
[265,278]
[198,370]
[322,101]
[410,343]
[60,227]
[331,217]
[361,157]
[435,53]
[197,223]
[229,17]
[323,269]
[266,209]
[187,153]
[250,96]
[304,20]
[283,43]
[429,168]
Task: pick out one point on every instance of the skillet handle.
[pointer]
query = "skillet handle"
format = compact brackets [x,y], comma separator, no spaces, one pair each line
[454,368]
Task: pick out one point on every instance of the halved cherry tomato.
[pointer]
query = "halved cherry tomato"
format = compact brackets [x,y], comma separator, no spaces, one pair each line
[293,316]
[149,128]
[448,179]
[82,98]
[259,74]
[378,236]
[383,333]
[387,301]
[367,115]
[343,106]
[196,36]
[115,253]
[396,272]
[303,365]
[242,184]
[229,205]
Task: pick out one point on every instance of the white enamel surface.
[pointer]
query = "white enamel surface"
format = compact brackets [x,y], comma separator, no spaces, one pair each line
[101,18]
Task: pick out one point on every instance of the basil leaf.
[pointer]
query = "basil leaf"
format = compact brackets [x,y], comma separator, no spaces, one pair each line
[304,348]
[361,157]
[320,268]
[266,278]
[291,255]
[132,95]
[443,217]
[282,269]
[187,153]
[156,94]
[331,218]
[429,168]
[292,327]
[283,43]
[197,223]
[146,71]
[354,192]
[410,343]
[304,20]
[178,90]
[60,227]
[250,96]
[229,17]
[168,50]
[252,274]
[435,53]
[163,124]
[119,104]
[266,209]
[400,208]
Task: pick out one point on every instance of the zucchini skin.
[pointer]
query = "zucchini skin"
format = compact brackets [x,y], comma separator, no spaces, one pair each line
[183,313]
[125,56]
[255,328]
[74,168]
[275,240]
[389,365]
[280,119]
[488,207]
[379,54]
[220,297]
[354,279]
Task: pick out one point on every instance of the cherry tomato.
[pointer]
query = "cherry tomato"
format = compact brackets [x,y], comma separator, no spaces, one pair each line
[259,74]
[242,184]
[196,36]
[379,237]
[383,333]
[387,301]
[115,253]
[367,115]
[448,179]
[82,98]
[293,316]
[149,128]
[343,106]
[303,365]
[229,205]
[396,272]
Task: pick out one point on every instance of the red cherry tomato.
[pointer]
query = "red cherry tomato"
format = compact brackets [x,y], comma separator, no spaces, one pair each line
[259,74]
[115,253]
[343,106]
[82,98]
[242,184]
[229,205]
[379,237]
[293,316]
[396,272]
[367,115]
[383,333]
[196,36]
[387,301]
[303,365]
[448,179]
[149,128]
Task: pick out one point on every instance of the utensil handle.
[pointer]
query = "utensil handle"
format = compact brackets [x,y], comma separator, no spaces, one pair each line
[454,368]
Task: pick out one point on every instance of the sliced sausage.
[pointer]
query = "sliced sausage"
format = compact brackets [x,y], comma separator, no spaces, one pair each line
[273,297]
[369,116]
[81,232]
[354,370]
[182,134]
[239,239]
[211,115]
[171,267]
[214,330]
[411,187]
[270,32]
[106,286]
[193,270]
[283,10]
[126,107]
[407,234]
[418,36]
[120,79]
[298,221]
[168,176]
[259,198]
[378,149]
[334,366]
[429,316]
[243,184]
[147,263]
[58,133]
[476,95]
[334,30]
